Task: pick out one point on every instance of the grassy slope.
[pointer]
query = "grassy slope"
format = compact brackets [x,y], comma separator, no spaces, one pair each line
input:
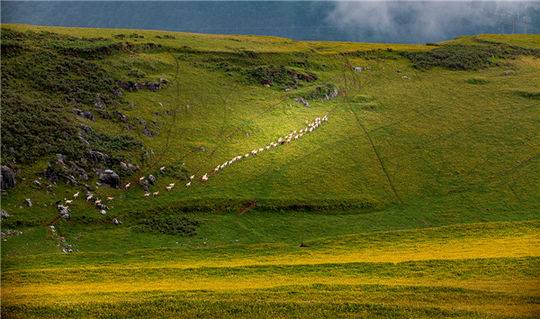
[462,159]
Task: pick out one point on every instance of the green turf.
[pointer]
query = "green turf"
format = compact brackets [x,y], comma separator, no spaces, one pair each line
[418,199]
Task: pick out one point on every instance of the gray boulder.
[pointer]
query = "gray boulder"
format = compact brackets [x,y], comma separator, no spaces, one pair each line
[110,178]
[152,179]
[7,178]
[144,184]
[63,211]
[3,214]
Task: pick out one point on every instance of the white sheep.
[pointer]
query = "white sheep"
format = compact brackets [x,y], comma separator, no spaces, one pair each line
[68,201]
[141,178]
[205,177]
[127,185]
[103,212]
[110,198]
[155,193]
[146,194]
[76,195]
[188,184]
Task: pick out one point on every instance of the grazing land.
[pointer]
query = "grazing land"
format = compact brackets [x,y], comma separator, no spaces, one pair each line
[418,197]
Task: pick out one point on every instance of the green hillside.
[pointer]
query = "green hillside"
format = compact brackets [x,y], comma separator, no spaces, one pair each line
[362,180]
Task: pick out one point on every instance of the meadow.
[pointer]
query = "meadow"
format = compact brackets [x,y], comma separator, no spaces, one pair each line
[417,199]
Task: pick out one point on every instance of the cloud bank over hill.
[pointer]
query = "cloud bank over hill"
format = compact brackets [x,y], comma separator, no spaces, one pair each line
[433,20]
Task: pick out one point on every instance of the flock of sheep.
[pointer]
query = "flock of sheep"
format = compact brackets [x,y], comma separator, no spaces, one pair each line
[63,209]
[293,136]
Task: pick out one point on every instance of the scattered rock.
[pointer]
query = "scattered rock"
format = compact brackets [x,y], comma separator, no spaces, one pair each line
[7,178]
[3,214]
[152,179]
[147,132]
[98,102]
[28,202]
[63,211]
[9,233]
[36,182]
[361,68]
[331,94]
[144,184]
[116,222]
[302,101]
[135,86]
[84,114]
[121,117]
[117,92]
[110,178]
[509,72]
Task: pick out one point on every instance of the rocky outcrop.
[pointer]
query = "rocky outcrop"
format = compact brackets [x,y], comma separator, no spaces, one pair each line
[7,178]
[64,170]
[128,168]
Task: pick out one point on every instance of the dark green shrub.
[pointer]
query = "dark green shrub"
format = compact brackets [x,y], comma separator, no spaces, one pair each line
[528,95]
[466,57]
[280,76]
[169,225]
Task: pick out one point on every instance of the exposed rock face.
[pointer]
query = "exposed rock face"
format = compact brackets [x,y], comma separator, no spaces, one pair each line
[7,178]
[65,170]
[110,178]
